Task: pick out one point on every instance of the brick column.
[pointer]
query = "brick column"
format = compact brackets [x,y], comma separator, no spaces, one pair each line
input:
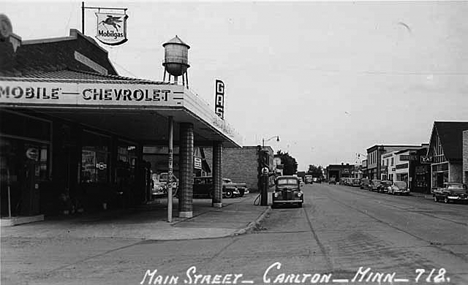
[186,170]
[217,201]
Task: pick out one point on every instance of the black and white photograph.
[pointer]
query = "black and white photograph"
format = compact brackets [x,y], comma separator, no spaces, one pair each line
[237,142]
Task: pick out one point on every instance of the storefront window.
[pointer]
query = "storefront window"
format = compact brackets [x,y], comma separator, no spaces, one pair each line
[23,165]
[126,163]
[95,158]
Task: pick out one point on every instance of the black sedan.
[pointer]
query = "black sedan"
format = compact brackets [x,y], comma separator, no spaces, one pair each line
[451,192]
[287,191]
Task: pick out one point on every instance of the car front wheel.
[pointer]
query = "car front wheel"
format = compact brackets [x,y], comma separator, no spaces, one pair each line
[446,200]
[229,194]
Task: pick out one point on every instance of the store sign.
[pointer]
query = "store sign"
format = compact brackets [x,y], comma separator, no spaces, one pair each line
[409,157]
[58,93]
[426,159]
[197,163]
[219,99]
[111,28]
[402,166]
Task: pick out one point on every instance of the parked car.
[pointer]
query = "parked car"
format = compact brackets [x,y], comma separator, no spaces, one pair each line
[160,183]
[365,183]
[344,181]
[399,187]
[332,180]
[456,192]
[287,191]
[203,187]
[375,184]
[164,179]
[356,182]
[385,186]
[242,187]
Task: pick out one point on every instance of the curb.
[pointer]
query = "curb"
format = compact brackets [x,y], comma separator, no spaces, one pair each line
[253,225]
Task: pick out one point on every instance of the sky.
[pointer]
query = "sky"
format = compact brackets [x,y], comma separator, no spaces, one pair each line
[331,79]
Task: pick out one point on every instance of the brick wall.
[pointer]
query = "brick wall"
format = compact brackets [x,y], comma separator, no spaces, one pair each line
[455,172]
[239,164]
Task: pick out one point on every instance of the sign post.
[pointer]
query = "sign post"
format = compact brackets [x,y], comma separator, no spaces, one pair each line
[170,169]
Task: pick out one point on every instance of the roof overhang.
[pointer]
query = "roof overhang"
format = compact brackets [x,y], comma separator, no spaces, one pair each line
[135,110]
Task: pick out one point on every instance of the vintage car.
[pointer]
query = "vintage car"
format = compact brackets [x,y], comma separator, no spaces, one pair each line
[160,183]
[242,187]
[356,182]
[375,184]
[365,184]
[399,187]
[456,192]
[332,180]
[203,187]
[287,191]
[385,186]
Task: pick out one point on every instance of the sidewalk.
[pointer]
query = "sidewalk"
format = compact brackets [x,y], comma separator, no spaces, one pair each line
[421,195]
[238,216]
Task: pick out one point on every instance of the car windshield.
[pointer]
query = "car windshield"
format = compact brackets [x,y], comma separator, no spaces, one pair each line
[400,184]
[455,187]
[287,181]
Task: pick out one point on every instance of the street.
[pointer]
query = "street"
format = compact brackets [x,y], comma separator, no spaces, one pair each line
[341,235]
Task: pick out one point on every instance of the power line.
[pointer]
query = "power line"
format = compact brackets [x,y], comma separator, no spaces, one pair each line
[115,63]
[387,72]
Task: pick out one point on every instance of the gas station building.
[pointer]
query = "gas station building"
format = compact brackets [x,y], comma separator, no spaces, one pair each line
[72,131]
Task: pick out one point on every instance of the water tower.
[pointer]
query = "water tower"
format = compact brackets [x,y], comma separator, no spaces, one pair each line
[176,60]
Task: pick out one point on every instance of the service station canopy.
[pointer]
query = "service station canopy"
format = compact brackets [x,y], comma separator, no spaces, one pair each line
[137,109]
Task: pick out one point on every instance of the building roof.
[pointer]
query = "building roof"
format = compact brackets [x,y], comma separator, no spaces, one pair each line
[66,74]
[176,40]
[398,146]
[72,63]
[451,138]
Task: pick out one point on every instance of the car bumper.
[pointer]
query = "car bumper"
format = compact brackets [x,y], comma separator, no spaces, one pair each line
[287,201]
[457,198]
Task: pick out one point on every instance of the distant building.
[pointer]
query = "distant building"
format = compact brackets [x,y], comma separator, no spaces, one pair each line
[374,157]
[339,171]
[446,152]
[407,165]
[364,168]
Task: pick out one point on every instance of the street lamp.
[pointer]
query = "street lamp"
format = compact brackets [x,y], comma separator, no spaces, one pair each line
[266,140]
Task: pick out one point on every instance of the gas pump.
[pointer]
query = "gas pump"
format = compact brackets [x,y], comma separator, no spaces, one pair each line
[263,174]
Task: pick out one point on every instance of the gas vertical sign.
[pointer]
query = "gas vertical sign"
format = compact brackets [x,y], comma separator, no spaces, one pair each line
[219,98]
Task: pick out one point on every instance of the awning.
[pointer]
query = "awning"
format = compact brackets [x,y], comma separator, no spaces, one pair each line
[132,108]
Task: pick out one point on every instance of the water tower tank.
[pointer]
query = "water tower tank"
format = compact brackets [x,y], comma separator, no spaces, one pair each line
[176,57]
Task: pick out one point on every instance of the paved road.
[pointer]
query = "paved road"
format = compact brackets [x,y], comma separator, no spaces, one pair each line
[341,234]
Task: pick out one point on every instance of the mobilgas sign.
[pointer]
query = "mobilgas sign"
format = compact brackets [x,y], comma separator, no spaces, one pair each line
[111,28]
[219,99]
[58,93]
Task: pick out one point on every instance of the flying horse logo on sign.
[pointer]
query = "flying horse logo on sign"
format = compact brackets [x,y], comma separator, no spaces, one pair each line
[111,28]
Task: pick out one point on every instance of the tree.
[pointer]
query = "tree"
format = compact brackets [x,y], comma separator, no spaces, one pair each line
[289,163]
[315,171]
